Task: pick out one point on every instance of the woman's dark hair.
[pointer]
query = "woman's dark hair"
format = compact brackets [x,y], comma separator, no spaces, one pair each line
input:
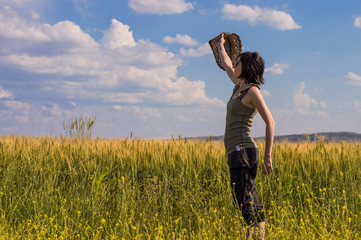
[252,67]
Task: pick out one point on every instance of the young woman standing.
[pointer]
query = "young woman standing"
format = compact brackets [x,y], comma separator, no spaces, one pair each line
[243,156]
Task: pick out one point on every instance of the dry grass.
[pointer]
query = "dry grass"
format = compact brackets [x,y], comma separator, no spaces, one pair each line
[62,188]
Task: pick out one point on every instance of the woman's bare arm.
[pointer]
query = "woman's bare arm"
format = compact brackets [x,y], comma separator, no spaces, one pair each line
[259,103]
[226,61]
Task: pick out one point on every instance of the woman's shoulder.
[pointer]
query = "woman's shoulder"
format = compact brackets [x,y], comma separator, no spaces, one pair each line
[255,86]
[255,91]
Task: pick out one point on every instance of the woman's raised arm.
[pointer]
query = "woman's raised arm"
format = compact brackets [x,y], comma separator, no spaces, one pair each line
[226,61]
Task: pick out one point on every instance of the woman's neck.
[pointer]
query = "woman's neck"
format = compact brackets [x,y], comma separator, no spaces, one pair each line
[243,85]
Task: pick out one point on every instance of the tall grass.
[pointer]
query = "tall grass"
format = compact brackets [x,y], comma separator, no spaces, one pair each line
[79,126]
[65,188]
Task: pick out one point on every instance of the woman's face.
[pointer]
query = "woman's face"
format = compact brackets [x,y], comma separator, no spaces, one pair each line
[238,67]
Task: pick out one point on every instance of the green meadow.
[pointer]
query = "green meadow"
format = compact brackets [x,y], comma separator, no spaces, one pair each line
[68,188]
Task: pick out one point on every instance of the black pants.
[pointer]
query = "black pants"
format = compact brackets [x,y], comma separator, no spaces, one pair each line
[243,165]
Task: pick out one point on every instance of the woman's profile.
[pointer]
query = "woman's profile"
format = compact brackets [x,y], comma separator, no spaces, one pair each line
[246,72]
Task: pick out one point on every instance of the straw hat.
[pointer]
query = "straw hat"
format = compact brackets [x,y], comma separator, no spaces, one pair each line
[232,44]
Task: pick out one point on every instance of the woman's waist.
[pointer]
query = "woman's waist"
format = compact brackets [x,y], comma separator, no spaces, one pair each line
[241,140]
[241,131]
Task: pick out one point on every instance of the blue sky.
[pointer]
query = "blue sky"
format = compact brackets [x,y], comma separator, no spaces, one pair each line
[145,66]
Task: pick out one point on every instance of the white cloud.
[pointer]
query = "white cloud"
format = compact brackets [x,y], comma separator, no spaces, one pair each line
[18,2]
[67,31]
[74,105]
[276,69]
[73,72]
[17,105]
[352,78]
[26,4]
[131,98]
[320,104]
[203,12]
[293,121]
[357,22]
[303,101]
[118,35]
[81,5]
[54,110]
[160,7]
[5,94]
[15,27]
[265,93]
[65,34]
[184,92]
[175,121]
[256,15]
[34,14]
[357,105]
[181,117]
[15,110]
[22,118]
[140,114]
[32,9]
[181,39]
[200,51]
[186,40]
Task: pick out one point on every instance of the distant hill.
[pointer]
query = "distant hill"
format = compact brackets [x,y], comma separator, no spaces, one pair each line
[327,136]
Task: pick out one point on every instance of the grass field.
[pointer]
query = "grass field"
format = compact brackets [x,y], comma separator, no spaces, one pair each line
[62,188]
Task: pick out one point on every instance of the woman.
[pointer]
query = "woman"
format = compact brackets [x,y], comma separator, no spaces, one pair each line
[243,156]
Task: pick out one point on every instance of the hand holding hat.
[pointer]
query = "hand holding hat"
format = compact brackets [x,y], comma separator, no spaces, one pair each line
[232,44]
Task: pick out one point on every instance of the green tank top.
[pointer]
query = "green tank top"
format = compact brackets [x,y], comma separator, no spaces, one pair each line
[239,123]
